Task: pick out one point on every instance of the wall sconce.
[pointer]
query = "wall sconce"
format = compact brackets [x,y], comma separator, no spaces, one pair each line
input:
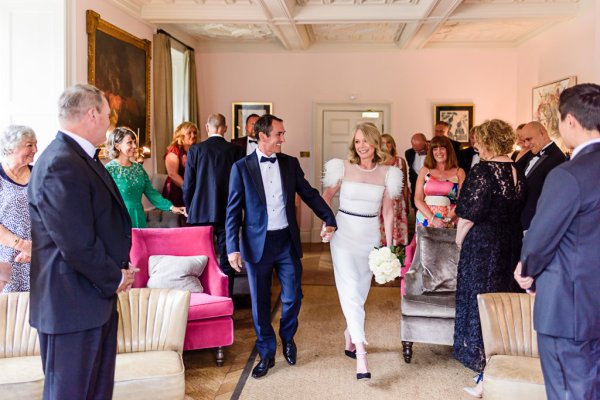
[370,114]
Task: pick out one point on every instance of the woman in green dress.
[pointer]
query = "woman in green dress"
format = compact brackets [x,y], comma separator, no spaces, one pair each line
[131,179]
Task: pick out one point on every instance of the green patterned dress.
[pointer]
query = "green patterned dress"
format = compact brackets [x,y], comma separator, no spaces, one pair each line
[132,182]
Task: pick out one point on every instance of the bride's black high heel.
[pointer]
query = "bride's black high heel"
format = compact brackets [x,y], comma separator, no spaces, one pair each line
[349,353]
[362,375]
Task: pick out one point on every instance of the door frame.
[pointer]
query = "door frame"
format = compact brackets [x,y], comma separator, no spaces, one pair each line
[318,128]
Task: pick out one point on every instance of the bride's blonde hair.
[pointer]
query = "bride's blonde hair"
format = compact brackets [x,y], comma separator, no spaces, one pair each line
[373,137]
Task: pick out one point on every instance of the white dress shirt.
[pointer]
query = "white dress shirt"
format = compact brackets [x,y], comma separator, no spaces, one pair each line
[535,159]
[271,178]
[582,145]
[418,162]
[251,145]
[85,144]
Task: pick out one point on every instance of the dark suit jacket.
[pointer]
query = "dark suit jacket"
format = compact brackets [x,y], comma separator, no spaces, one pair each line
[81,235]
[206,181]
[456,146]
[561,250]
[410,155]
[465,158]
[551,158]
[246,208]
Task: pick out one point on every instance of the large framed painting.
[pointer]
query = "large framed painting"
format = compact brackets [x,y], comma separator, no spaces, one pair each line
[241,110]
[458,116]
[545,104]
[119,65]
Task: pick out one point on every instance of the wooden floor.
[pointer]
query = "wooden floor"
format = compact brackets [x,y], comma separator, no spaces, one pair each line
[204,380]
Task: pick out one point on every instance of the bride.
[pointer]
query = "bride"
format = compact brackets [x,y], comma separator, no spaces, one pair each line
[366,185]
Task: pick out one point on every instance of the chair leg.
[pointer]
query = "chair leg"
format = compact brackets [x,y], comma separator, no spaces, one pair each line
[220,355]
[407,351]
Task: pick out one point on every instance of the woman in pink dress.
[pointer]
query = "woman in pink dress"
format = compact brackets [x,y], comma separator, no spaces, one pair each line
[400,228]
[185,136]
[438,185]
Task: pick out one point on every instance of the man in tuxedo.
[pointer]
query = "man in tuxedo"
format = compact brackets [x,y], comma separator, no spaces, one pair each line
[81,235]
[469,156]
[415,157]
[206,185]
[543,156]
[442,128]
[250,141]
[262,190]
[561,252]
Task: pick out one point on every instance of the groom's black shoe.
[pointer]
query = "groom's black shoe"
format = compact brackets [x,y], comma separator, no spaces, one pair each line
[289,351]
[262,367]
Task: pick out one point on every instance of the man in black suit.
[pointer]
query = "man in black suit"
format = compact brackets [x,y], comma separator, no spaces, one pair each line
[250,141]
[543,156]
[81,235]
[206,185]
[262,194]
[561,252]
[415,157]
[469,156]
[442,128]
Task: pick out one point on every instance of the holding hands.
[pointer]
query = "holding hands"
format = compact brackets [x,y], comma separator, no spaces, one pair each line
[327,233]
[24,247]
[127,281]
[179,210]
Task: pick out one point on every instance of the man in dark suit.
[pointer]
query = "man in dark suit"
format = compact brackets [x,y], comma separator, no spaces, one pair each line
[469,156]
[250,141]
[544,155]
[206,185]
[415,157]
[262,191]
[442,128]
[561,252]
[81,235]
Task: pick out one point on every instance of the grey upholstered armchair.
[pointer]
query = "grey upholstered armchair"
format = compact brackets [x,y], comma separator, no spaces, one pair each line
[428,306]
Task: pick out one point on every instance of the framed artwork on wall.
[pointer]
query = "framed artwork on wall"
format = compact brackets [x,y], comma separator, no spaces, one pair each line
[545,104]
[458,116]
[241,110]
[119,65]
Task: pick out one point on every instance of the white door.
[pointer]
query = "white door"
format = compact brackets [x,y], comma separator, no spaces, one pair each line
[338,130]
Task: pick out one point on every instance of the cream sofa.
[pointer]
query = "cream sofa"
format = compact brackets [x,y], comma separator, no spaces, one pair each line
[151,330]
[513,370]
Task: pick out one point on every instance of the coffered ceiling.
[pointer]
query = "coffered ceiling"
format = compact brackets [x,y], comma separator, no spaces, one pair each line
[299,25]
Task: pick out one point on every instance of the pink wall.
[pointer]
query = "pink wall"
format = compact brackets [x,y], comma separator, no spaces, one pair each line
[570,48]
[412,81]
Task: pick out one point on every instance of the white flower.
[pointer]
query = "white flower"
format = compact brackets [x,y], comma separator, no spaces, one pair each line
[384,264]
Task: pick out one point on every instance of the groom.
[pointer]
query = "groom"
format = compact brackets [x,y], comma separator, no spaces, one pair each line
[262,191]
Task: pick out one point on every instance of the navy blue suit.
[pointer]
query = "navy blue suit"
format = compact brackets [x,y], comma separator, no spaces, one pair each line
[81,235]
[561,250]
[264,250]
[206,188]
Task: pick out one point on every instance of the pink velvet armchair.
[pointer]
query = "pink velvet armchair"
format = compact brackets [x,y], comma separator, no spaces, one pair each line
[210,323]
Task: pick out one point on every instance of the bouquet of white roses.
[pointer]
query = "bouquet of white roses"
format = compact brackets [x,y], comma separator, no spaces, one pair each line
[385,264]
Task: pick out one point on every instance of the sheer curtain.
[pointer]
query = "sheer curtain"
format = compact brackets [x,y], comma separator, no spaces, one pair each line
[163,98]
[191,89]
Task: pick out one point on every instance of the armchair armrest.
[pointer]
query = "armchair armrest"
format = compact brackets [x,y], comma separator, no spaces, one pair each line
[17,337]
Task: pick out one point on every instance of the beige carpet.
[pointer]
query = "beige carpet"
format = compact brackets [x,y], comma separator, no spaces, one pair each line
[324,372]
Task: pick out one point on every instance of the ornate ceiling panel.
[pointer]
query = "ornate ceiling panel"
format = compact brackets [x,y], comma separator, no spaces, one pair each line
[298,25]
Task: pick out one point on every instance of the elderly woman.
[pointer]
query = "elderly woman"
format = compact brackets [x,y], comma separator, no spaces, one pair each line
[131,179]
[489,231]
[185,136]
[18,146]
[400,229]
[438,185]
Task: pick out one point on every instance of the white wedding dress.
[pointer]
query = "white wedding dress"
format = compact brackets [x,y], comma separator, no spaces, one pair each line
[362,194]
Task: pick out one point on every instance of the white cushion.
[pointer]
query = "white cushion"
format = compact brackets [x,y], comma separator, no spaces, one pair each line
[176,272]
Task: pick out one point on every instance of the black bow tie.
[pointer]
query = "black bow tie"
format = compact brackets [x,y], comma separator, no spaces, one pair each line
[96,153]
[268,159]
[252,141]
[422,153]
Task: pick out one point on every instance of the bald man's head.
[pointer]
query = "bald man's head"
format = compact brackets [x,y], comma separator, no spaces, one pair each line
[418,142]
[535,136]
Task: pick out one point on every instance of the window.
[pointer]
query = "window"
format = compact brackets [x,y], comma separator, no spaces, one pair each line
[180,84]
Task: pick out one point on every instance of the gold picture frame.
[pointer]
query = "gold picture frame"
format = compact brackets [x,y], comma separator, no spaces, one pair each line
[241,110]
[544,104]
[119,65]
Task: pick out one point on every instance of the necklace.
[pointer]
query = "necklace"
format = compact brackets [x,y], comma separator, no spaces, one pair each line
[19,178]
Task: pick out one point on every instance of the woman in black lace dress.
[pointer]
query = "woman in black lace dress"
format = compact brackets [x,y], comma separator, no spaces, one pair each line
[490,234]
